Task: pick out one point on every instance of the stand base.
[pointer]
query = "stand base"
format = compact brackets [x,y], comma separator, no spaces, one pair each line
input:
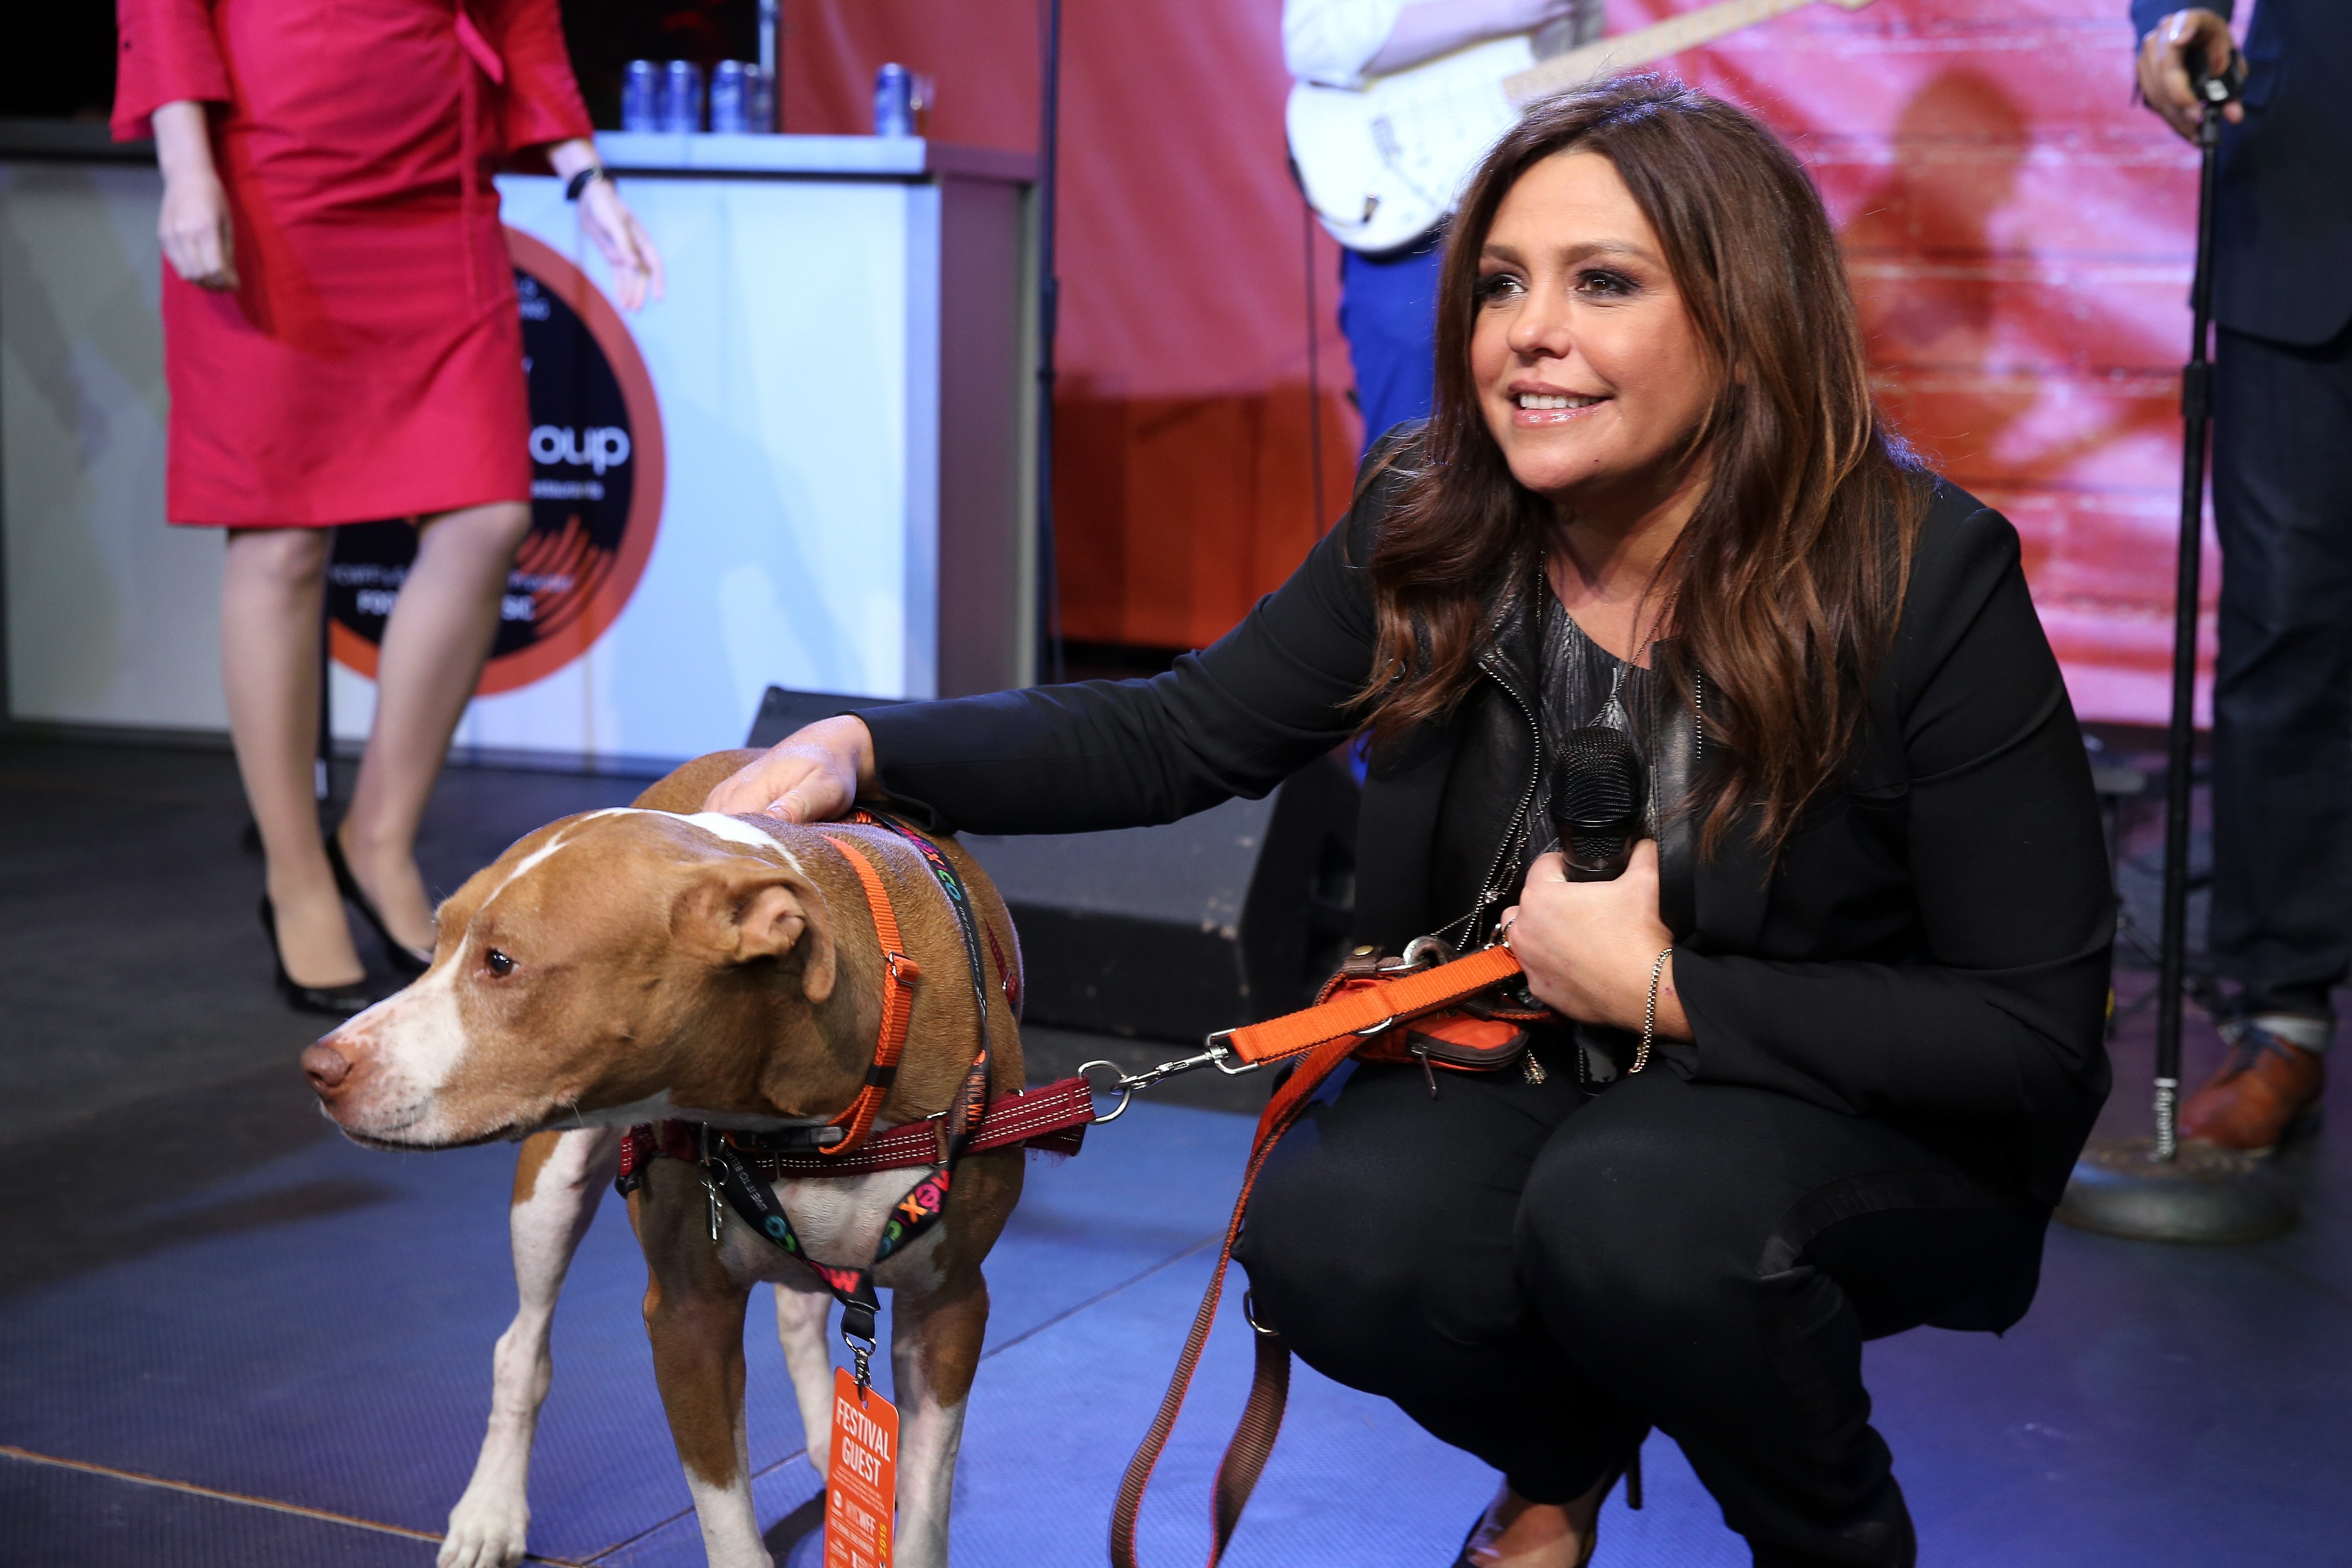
[2203,1194]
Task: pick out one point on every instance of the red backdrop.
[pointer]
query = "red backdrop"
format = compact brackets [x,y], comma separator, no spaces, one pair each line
[2019,232]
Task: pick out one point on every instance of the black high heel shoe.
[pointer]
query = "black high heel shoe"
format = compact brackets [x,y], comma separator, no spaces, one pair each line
[1462,1559]
[327,1001]
[405,961]
[1629,1471]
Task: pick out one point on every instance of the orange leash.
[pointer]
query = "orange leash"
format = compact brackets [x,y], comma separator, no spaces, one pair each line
[1375,1008]
[897,1005]
[1328,1033]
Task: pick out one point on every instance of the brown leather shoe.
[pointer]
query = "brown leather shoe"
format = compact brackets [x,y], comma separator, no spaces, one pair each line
[2251,1103]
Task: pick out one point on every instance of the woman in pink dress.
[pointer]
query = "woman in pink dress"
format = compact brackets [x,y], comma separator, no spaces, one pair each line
[342,345]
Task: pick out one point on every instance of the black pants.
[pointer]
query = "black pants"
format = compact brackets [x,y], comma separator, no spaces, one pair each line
[1537,1277]
[2282,684]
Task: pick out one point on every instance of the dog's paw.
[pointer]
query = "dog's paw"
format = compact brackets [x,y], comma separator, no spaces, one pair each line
[486,1530]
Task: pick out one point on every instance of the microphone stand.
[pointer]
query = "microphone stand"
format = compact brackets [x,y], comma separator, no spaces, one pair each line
[2195,412]
[2159,1188]
[1049,94]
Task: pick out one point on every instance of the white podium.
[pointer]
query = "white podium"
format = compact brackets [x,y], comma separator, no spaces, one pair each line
[810,465]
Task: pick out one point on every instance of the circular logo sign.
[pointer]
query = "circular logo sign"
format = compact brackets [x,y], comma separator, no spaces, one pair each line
[595,491]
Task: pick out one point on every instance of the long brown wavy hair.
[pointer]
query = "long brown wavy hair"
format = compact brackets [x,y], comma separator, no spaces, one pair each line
[1784,585]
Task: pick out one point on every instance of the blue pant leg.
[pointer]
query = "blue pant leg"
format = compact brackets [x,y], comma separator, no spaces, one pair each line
[1388,308]
[2282,683]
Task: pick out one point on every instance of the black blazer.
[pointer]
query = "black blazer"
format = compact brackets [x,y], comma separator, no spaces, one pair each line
[1931,949]
[2283,213]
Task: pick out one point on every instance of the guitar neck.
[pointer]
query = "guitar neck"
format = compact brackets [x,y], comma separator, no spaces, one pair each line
[1672,36]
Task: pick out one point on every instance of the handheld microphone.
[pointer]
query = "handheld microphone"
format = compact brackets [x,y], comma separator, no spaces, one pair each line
[1597,799]
[2213,90]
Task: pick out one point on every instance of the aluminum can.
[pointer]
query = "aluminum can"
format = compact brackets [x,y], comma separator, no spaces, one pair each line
[730,99]
[641,96]
[894,101]
[758,100]
[681,96]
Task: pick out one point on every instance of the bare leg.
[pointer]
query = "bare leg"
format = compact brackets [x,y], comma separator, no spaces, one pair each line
[270,608]
[559,1181]
[800,1317]
[435,644]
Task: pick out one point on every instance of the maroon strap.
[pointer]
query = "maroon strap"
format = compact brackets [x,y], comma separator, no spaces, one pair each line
[1052,1118]
[1033,1116]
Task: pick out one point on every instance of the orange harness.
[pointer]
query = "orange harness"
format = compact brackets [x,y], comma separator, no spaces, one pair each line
[900,973]
[734,1165]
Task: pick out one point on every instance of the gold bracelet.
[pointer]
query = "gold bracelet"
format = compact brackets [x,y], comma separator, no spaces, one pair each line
[1650,1013]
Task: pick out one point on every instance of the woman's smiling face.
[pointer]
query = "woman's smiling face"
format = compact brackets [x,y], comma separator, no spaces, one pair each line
[1589,370]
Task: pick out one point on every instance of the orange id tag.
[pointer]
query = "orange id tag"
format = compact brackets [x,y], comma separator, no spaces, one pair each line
[861,1499]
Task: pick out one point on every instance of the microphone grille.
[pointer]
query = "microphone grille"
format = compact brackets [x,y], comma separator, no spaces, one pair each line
[1596,780]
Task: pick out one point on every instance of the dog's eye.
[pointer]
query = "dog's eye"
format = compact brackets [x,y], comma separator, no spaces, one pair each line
[499,963]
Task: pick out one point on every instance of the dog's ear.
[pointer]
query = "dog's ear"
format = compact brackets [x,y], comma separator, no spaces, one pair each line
[757,910]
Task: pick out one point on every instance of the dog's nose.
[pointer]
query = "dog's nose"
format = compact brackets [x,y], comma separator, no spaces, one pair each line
[326,1068]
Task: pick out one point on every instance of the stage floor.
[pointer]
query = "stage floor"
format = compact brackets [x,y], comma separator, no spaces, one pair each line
[236,1339]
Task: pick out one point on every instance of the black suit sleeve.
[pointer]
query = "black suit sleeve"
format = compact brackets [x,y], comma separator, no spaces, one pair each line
[2001,1015]
[1234,719]
[2146,14]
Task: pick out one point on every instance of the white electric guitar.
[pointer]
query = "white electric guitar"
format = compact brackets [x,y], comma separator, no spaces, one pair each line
[1382,164]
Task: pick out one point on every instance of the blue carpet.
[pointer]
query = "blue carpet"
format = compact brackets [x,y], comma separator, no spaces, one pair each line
[315,1329]
[61,1517]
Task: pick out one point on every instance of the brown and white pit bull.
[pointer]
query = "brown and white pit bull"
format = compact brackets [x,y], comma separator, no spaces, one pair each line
[657,961]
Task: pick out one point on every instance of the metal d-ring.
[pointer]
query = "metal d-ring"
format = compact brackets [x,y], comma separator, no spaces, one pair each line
[1249,1316]
[1124,1089]
[1221,1056]
[1424,950]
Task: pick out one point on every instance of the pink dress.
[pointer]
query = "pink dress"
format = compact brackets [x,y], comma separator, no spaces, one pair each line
[370,363]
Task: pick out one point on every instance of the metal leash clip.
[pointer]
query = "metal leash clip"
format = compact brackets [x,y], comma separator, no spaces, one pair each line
[709,1182]
[1217,1055]
[861,1351]
[1421,953]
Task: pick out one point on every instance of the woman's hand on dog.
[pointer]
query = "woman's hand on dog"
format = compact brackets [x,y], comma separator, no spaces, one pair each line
[813,775]
[1587,946]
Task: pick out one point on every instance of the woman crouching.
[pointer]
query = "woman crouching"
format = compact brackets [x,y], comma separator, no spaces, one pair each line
[1831,1040]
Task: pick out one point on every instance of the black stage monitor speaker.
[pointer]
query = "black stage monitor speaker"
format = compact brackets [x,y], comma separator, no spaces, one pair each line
[1168,933]
[782,712]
